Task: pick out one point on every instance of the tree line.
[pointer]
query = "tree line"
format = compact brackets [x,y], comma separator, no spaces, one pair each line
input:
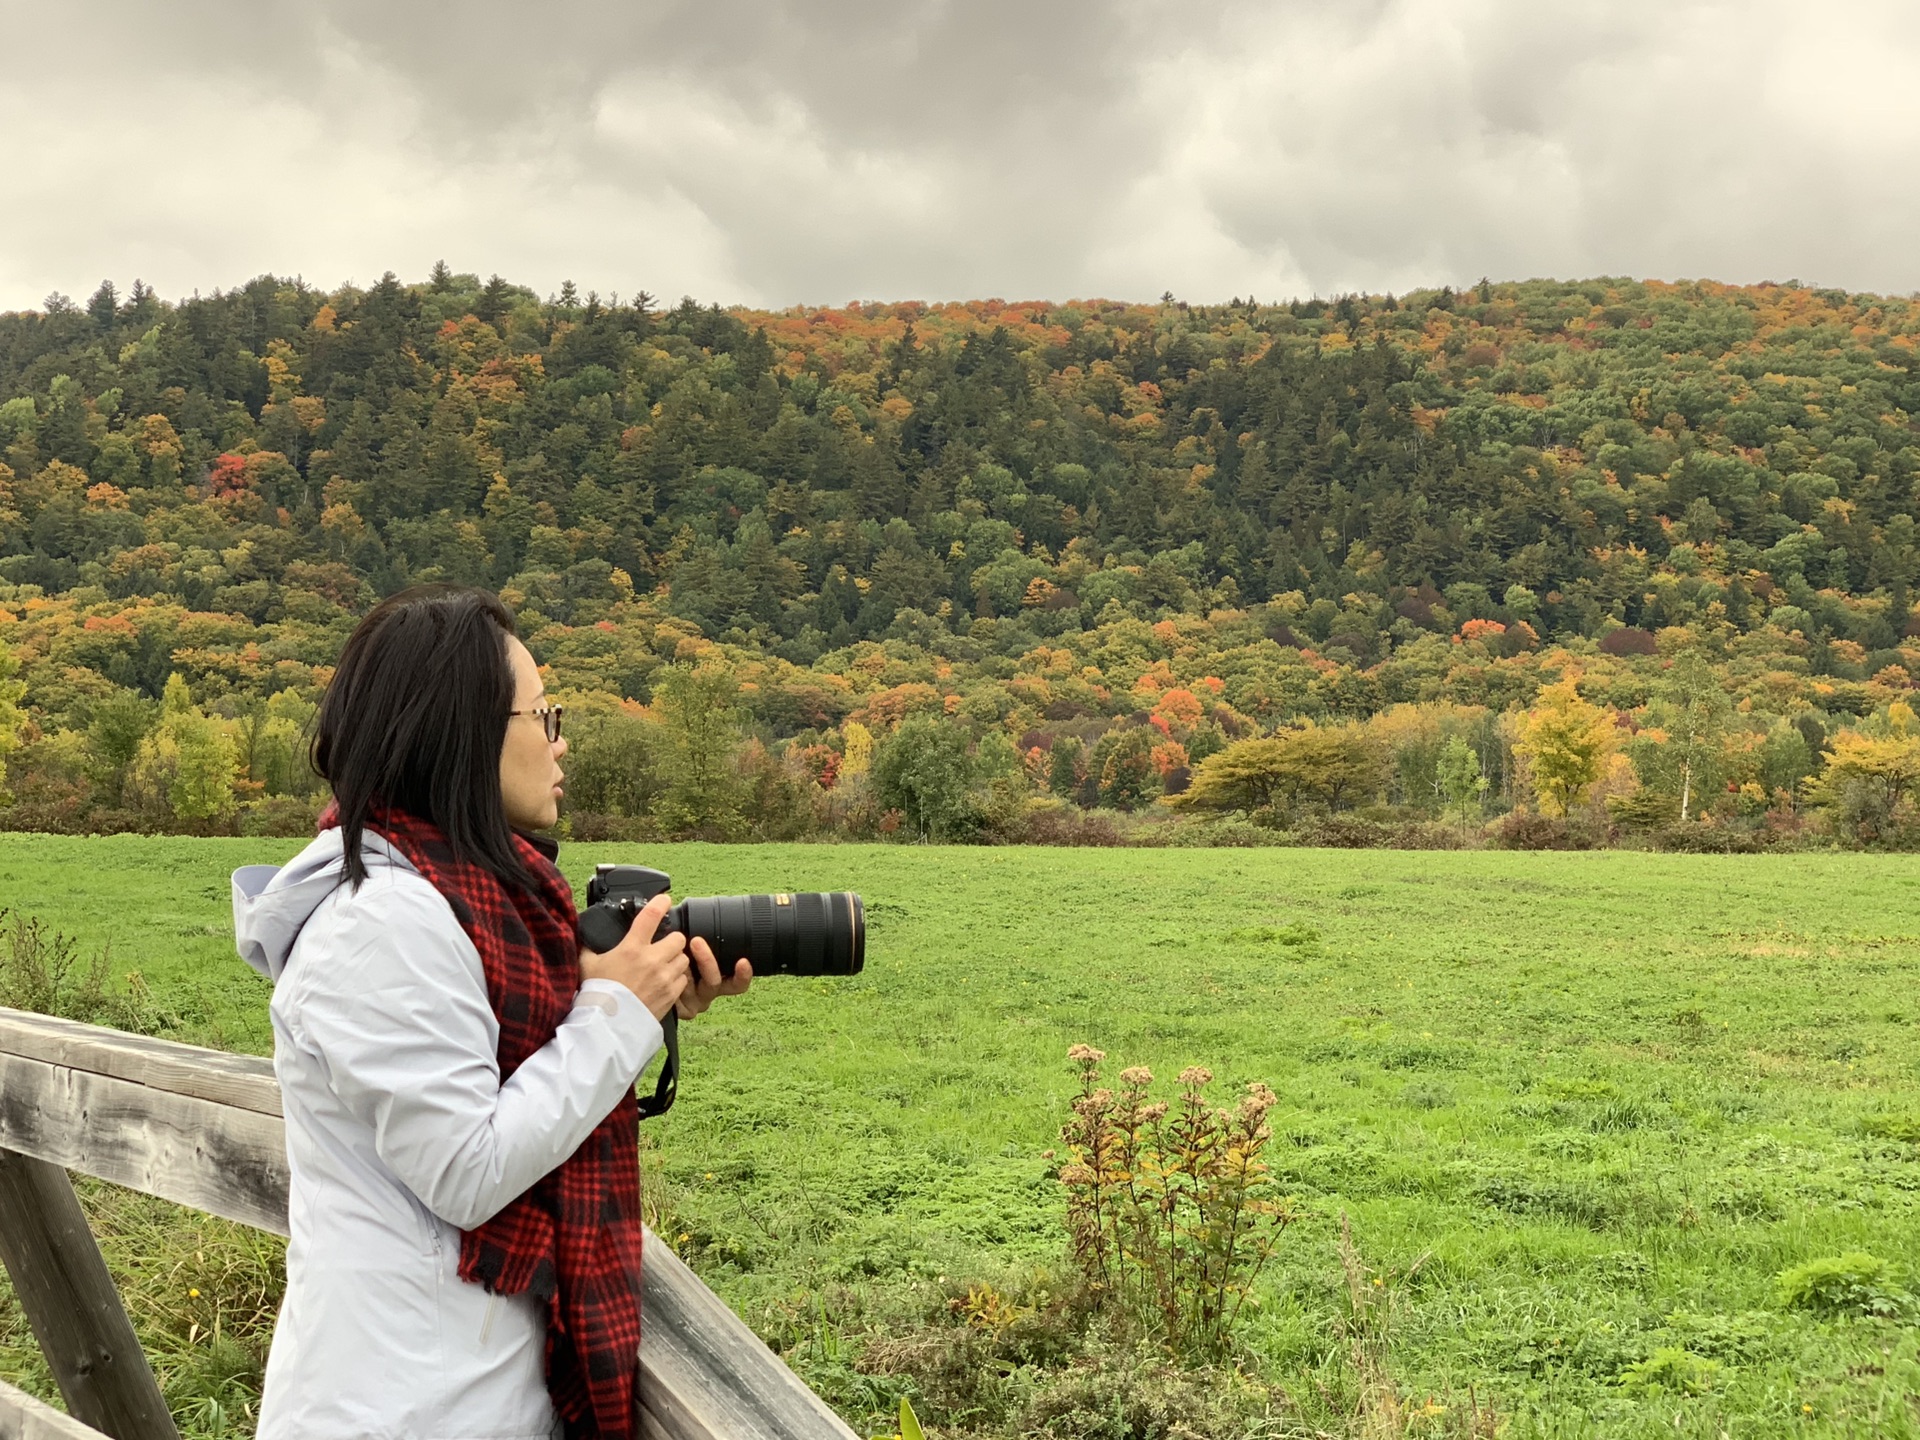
[1548,562]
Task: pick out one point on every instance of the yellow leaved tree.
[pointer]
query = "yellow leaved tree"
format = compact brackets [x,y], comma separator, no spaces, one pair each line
[185,767]
[1880,767]
[1331,766]
[11,691]
[1565,742]
[859,757]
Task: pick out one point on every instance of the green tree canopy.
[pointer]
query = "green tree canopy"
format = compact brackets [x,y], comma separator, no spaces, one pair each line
[926,771]
[1690,710]
[696,706]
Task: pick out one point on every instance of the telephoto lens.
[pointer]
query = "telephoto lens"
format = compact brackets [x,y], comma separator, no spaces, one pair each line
[807,933]
[815,932]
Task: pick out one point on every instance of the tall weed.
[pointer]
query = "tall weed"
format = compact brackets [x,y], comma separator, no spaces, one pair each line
[1168,1206]
[40,970]
[1377,1408]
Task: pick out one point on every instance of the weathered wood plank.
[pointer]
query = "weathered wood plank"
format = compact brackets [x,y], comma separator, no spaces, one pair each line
[227,1161]
[24,1418]
[71,1303]
[245,1081]
[704,1374]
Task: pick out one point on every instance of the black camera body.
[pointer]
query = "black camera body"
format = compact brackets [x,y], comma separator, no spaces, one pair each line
[809,933]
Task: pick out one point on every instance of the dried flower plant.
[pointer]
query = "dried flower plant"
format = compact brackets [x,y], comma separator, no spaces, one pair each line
[1169,1207]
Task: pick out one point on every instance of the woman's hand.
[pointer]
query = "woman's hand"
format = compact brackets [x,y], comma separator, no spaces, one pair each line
[699,995]
[654,970]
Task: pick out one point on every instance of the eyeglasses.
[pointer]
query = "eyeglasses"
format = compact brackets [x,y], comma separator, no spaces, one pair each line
[549,718]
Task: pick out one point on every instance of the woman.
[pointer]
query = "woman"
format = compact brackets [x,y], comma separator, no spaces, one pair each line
[457,1074]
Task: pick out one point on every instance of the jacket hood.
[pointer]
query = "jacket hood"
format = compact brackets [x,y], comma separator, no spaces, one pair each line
[272,903]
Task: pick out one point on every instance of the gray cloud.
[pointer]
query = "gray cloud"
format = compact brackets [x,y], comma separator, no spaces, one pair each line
[787,151]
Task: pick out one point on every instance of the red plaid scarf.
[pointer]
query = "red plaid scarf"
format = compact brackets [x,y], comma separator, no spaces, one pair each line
[573,1240]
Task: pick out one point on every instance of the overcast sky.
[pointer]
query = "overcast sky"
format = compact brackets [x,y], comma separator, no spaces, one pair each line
[776,152]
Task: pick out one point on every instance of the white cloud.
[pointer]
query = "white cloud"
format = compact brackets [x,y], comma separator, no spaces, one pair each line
[192,182]
[775,151]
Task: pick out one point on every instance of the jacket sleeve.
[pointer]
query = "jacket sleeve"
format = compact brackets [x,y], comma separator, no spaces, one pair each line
[395,1006]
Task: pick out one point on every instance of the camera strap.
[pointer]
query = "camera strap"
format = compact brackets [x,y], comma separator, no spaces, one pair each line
[668,1085]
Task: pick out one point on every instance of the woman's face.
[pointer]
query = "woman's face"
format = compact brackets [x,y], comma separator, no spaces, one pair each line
[530,772]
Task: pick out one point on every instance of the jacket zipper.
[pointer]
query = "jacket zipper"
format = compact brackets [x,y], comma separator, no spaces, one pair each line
[493,1300]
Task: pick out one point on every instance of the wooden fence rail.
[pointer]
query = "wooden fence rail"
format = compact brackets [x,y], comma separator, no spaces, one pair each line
[204,1129]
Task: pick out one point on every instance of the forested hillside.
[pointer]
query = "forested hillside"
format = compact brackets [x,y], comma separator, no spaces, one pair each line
[1636,556]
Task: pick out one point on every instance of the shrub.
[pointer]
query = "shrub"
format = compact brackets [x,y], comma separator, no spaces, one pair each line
[1698,839]
[40,971]
[286,816]
[594,826]
[1168,1206]
[1855,1283]
[1644,809]
[1424,835]
[1673,1369]
[1342,832]
[778,793]
[1218,833]
[1028,1355]
[1524,830]
[50,788]
[971,1362]
[1055,822]
[1894,1127]
[1141,1397]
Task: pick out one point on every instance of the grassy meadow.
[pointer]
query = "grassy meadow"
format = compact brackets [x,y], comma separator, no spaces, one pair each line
[1580,1111]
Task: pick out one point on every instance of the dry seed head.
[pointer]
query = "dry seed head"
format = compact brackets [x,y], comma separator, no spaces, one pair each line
[1085,1053]
[1138,1075]
[1196,1075]
[1095,1104]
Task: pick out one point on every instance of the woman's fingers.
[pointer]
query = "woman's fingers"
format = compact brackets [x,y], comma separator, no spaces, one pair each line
[672,983]
[655,970]
[646,924]
[705,963]
[707,983]
[710,980]
[660,956]
[704,974]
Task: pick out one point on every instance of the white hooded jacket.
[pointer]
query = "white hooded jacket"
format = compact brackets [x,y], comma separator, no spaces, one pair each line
[400,1135]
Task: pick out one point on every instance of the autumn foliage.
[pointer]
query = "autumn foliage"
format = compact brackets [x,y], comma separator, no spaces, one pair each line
[1436,556]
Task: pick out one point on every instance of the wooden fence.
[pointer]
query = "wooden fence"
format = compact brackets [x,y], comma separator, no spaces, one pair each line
[204,1129]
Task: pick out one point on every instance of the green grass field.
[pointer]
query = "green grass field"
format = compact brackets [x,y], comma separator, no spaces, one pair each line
[1581,1109]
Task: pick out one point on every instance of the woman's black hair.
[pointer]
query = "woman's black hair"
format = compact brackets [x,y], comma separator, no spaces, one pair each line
[415,719]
